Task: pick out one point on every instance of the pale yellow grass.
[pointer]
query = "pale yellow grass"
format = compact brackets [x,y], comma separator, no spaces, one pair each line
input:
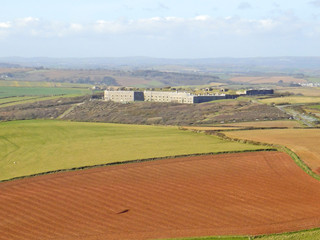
[305,91]
[215,128]
[274,79]
[291,100]
[266,124]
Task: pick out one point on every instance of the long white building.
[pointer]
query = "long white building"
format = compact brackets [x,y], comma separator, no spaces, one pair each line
[123,96]
[157,96]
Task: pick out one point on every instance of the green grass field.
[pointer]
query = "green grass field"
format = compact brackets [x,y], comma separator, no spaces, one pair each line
[303,235]
[210,238]
[5,102]
[16,99]
[314,79]
[315,107]
[6,91]
[12,83]
[31,92]
[29,147]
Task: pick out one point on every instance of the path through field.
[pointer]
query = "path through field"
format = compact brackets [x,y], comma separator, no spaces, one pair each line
[229,194]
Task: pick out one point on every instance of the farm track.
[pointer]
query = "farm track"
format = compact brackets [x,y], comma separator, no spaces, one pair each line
[307,120]
[69,110]
[228,194]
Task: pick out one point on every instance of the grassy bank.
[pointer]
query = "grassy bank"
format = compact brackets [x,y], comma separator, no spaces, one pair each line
[301,235]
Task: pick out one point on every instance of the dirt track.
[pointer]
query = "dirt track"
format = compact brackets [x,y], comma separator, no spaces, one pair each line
[230,194]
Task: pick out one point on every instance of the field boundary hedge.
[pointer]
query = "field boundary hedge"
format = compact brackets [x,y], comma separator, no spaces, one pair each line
[246,237]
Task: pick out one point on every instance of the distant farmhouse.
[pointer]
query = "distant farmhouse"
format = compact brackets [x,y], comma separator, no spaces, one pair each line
[176,97]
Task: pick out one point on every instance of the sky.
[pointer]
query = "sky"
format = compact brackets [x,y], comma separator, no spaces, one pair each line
[159,28]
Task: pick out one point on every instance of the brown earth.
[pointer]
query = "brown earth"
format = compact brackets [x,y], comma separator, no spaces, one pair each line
[230,194]
[304,142]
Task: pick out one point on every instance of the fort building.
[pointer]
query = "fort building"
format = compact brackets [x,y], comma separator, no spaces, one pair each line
[259,92]
[175,97]
[123,96]
[178,97]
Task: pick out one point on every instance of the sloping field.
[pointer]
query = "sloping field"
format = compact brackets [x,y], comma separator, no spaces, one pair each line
[304,142]
[12,83]
[244,125]
[229,194]
[267,124]
[291,100]
[305,91]
[40,91]
[29,147]
[213,128]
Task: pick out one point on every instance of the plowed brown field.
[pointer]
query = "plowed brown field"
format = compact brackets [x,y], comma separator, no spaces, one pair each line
[304,142]
[230,194]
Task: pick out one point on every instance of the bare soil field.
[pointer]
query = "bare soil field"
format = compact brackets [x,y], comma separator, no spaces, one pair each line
[229,194]
[304,142]
[275,79]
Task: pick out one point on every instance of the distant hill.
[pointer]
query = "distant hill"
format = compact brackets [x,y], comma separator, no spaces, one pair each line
[8,65]
[287,64]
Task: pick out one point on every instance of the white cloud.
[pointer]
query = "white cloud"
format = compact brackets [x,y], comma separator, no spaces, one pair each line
[110,27]
[23,22]
[160,27]
[268,24]
[159,36]
[5,24]
[202,18]
[76,27]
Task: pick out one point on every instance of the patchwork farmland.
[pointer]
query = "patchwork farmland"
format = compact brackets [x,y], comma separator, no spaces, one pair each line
[304,142]
[242,194]
[228,194]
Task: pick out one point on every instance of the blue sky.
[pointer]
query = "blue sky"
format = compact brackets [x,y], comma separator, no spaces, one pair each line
[160,28]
